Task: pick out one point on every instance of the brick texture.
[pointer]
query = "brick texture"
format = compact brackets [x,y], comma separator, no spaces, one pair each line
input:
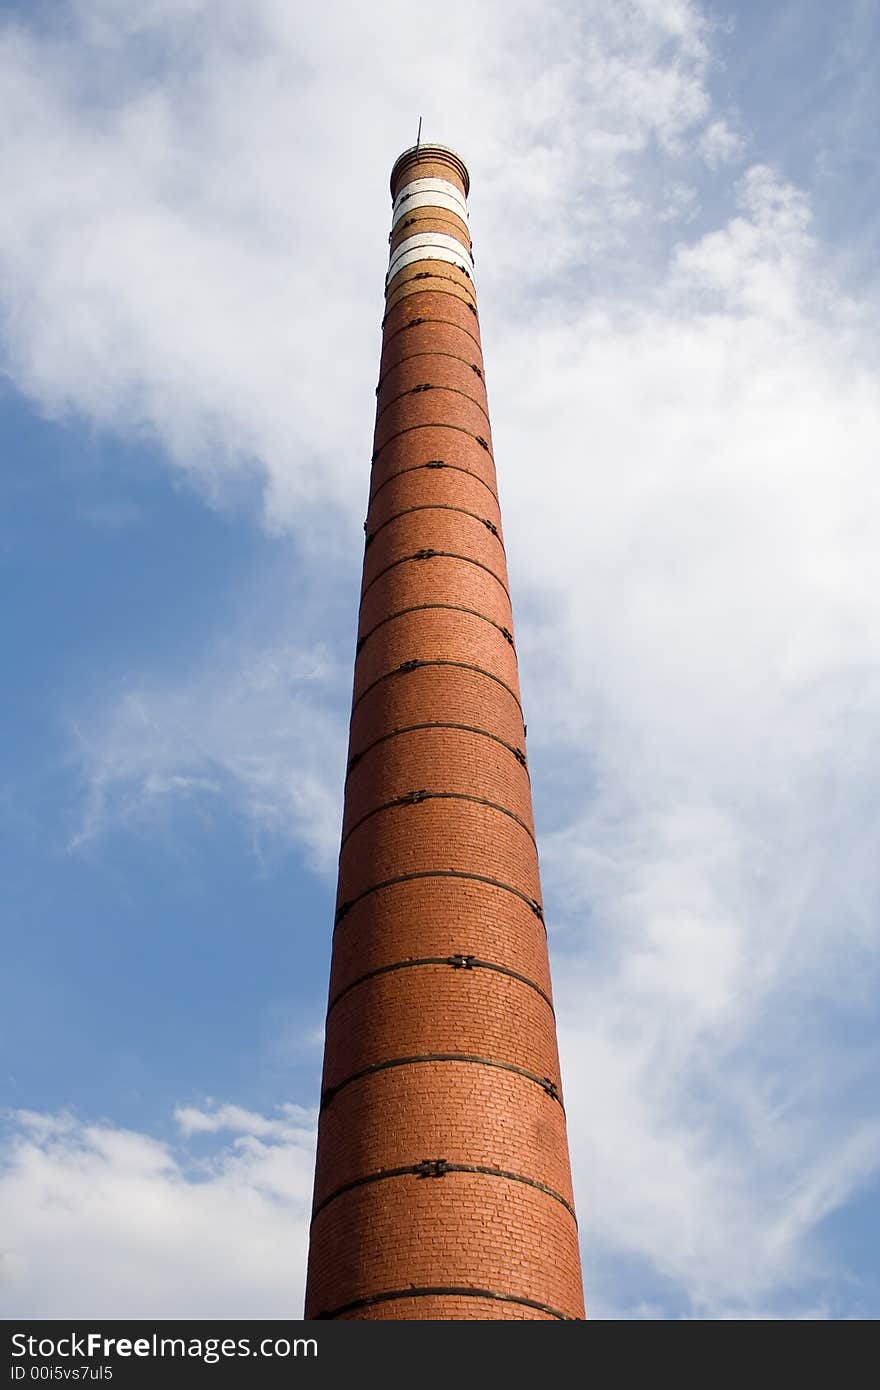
[430,220]
[442,1186]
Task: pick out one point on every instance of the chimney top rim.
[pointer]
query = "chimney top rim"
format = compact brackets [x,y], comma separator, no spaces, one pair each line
[427,150]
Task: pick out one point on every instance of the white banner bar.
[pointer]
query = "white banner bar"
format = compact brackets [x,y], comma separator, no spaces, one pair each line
[411,190]
[423,245]
[431,253]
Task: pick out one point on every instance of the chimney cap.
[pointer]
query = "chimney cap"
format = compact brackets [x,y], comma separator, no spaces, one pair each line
[441,154]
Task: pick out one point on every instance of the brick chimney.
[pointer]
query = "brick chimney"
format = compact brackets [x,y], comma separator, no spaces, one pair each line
[442,1185]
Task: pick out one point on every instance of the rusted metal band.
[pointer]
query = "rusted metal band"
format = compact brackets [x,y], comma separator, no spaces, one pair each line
[430,352]
[429,554]
[346,905]
[406,667]
[486,521]
[433,252]
[459,962]
[469,290]
[432,386]
[417,797]
[433,463]
[467,297]
[444,1291]
[440,1168]
[423,607]
[419,320]
[547,1085]
[428,425]
[436,724]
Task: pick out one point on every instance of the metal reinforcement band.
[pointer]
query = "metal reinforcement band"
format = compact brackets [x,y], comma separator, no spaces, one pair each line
[434,507]
[431,425]
[426,607]
[416,797]
[458,962]
[435,724]
[432,463]
[472,1059]
[429,352]
[415,663]
[345,907]
[429,554]
[417,322]
[444,1291]
[421,386]
[438,1168]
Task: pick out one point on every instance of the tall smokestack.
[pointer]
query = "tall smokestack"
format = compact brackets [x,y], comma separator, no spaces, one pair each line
[442,1186]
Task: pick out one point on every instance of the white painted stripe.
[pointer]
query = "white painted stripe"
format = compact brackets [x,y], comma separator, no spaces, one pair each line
[429,200]
[431,186]
[422,239]
[431,253]
[425,240]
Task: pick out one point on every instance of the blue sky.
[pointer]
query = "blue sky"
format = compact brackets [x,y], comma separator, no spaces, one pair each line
[675,215]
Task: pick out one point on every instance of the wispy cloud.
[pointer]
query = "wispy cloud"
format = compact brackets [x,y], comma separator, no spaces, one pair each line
[719,144]
[293,1122]
[707,657]
[168,254]
[100,1221]
[256,729]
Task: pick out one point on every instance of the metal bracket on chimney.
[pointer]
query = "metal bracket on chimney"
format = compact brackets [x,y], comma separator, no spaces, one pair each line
[435,463]
[432,1168]
[425,554]
[462,962]
[481,441]
[490,525]
[413,798]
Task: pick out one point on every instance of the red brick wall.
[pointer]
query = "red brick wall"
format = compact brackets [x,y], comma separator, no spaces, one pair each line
[440,1039]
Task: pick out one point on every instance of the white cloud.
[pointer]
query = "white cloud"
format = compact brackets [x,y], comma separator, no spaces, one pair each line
[208,1119]
[193,239]
[99,1221]
[707,648]
[252,726]
[720,145]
